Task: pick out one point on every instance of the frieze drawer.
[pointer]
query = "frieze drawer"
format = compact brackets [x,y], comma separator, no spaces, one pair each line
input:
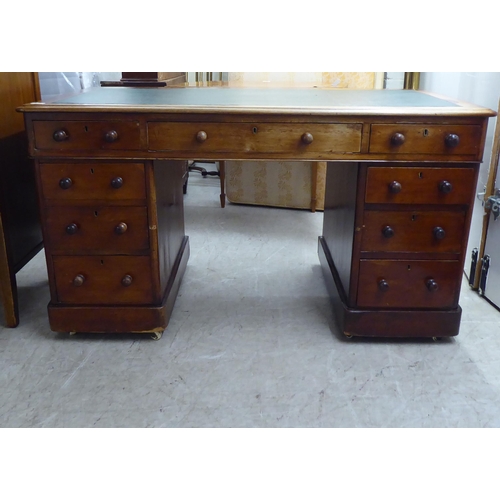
[425,139]
[87,135]
[254,137]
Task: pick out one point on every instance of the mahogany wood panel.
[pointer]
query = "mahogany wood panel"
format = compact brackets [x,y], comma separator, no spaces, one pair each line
[425,138]
[102,279]
[419,185]
[98,229]
[408,284]
[254,137]
[338,216]
[412,231]
[92,181]
[167,177]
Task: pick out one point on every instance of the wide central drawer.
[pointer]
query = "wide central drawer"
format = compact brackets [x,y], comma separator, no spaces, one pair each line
[254,137]
[98,229]
[103,280]
[412,231]
[408,284]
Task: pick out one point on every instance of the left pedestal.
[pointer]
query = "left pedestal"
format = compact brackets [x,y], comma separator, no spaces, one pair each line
[115,244]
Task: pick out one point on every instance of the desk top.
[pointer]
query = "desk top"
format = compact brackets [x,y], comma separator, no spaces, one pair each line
[259,101]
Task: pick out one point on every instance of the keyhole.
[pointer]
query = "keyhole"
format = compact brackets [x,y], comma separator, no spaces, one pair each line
[426,132]
[254,130]
[420,175]
[409,268]
[95,213]
[413,217]
[102,263]
[86,128]
[91,170]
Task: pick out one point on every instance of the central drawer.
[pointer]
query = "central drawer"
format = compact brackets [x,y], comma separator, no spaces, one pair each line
[116,230]
[252,137]
[103,280]
[408,284]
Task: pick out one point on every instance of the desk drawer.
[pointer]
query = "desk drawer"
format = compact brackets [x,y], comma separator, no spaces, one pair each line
[425,139]
[94,229]
[254,137]
[412,231]
[103,280]
[87,135]
[93,181]
[420,185]
[408,284]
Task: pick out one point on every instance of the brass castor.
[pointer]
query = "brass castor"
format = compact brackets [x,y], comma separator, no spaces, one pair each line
[348,335]
[156,335]
[436,339]
[72,333]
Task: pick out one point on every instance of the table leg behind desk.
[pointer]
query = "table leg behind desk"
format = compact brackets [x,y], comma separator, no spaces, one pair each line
[8,289]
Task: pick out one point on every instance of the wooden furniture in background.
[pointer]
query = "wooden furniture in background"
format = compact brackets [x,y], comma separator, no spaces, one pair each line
[148,79]
[402,170]
[20,232]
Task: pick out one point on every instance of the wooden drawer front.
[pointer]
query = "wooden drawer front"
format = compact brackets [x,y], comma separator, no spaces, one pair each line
[412,231]
[100,280]
[419,185]
[408,283]
[425,139]
[94,229]
[93,181]
[254,137]
[87,135]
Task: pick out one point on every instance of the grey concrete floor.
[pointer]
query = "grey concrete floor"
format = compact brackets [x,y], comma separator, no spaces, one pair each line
[252,342]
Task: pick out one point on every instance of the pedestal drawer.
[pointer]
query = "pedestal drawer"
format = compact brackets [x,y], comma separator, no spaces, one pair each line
[92,181]
[412,185]
[409,284]
[111,230]
[103,280]
[412,231]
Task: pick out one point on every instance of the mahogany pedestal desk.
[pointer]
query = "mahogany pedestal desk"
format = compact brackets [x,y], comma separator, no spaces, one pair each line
[402,172]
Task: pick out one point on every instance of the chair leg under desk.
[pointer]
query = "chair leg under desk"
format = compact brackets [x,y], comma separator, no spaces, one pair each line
[8,287]
[222,175]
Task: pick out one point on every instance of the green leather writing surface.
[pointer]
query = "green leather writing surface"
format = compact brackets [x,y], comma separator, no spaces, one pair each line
[245,98]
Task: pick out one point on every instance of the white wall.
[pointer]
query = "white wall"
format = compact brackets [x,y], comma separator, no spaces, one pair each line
[482,89]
